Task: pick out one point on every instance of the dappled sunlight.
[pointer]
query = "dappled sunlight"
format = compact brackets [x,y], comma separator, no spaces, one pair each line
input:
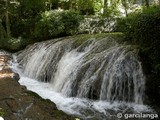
[5,70]
[6,75]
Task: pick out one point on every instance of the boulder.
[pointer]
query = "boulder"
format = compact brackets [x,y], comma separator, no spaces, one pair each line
[17,103]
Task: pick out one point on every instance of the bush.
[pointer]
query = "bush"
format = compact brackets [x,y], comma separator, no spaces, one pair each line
[96,24]
[57,23]
[14,44]
[143,29]
[23,27]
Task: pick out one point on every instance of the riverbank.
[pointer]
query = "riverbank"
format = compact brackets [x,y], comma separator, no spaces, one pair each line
[17,103]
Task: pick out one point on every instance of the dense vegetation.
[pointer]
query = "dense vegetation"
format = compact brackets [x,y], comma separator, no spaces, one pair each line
[24,22]
[57,23]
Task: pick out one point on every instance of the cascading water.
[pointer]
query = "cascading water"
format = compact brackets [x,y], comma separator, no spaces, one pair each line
[100,70]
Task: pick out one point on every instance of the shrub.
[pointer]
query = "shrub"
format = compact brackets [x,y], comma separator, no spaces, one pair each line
[14,44]
[96,24]
[57,23]
[23,27]
[143,28]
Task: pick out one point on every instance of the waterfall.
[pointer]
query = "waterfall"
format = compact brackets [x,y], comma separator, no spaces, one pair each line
[99,69]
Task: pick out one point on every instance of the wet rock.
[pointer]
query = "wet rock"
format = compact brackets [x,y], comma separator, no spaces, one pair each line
[5,70]
[20,104]
[16,76]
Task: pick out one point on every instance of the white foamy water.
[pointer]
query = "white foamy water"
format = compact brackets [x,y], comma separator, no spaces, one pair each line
[84,108]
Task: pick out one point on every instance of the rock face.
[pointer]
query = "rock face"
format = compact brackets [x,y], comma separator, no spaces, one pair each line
[17,103]
[5,71]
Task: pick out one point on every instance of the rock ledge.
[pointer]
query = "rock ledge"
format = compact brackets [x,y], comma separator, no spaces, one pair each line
[17,103]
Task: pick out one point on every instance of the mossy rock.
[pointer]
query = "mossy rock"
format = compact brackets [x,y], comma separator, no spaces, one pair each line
[79,39]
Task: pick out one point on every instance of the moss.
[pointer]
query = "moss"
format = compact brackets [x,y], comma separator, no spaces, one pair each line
[2,113]
[113,34]
[58,114]
[79,39]
[36,96]
[16,44]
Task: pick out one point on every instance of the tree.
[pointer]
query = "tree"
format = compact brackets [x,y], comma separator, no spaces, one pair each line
[52,4]
[145,3]
[2,31]
[4,4]
[86,7]
[7,11]
[125,5]
[7,18]
[105,6]
[111,8]
[157,2]
[26,15]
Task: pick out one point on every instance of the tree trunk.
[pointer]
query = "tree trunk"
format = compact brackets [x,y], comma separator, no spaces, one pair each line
[105,6]
[124,3]
[70,4]
[126,12]
[7,20]
[1,30]
[147,3]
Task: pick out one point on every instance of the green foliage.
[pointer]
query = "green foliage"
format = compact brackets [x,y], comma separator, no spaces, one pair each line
[14,44]
[97,6]
[71,21]
[111,8]
[86,7]
[23,27]
[35,5]
[57,23]
[1,112]
[111,11]
[27,14]
[143,29]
